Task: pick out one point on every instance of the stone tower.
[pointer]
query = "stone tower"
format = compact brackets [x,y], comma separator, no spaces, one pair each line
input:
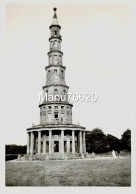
[55,82]
[56,136]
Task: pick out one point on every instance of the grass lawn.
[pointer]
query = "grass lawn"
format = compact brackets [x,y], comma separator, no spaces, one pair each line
[69,173]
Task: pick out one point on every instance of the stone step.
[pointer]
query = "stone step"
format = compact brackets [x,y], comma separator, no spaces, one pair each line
[54,156]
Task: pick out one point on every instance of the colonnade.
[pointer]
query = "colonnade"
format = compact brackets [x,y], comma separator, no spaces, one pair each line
[31,142]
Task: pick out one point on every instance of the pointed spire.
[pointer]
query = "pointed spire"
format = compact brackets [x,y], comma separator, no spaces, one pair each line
[55,21]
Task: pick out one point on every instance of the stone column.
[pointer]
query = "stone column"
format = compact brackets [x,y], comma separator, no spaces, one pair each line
[59,145]
[32,143]
[73,142]
[68,144]
[81,147]
[78,141]
[28,143]
[44,144]
[50,142]
[62,141]
[84,142]
[39,142]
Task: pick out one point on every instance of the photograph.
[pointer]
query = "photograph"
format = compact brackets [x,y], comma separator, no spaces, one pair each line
[68,95]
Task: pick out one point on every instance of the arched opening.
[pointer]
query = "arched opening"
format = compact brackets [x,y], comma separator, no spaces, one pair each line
[55,32]
[55,59]
[55,91]
[55,43]
[56,146]
[46,96]
[64,94]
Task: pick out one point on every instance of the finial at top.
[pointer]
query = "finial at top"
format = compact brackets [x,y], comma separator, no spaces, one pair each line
[55,15]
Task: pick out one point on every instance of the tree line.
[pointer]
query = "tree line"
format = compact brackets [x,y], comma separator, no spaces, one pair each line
[96,141]
[15,149]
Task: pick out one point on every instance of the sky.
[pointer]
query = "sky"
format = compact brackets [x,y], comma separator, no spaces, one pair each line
[96,46]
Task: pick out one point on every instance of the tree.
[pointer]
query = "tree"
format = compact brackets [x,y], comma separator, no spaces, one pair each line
[126,140]
[113,142]
[96,141]
[15,149]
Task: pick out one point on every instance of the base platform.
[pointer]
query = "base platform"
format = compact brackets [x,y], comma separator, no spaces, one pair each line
[55,156]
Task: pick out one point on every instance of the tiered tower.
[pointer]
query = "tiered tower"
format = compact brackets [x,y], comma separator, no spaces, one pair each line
[56,136]
[58,110]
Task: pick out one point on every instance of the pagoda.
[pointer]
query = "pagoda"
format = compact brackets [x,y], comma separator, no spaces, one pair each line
[56,136]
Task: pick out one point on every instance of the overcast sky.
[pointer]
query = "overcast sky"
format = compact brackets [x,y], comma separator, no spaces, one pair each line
[96,46]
